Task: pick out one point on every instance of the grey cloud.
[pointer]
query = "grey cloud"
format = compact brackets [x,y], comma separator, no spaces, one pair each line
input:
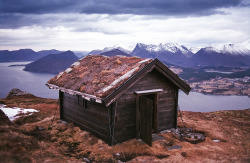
[19,13]
[140,7]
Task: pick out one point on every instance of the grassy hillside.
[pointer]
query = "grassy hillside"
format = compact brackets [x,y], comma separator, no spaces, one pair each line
[42,137]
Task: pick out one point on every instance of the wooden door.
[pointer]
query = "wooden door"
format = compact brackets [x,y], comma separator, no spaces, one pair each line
[146,110]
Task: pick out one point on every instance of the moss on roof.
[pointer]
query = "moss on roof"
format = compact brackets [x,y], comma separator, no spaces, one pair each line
[98,75]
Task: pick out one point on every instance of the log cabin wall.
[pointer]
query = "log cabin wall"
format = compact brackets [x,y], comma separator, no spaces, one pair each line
[125,120]
[88,115]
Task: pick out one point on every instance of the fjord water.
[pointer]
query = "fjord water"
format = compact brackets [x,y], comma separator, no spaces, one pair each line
[15,77]
[207,103]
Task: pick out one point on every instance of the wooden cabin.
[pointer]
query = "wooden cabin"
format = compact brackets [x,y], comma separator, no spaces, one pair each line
[119,98]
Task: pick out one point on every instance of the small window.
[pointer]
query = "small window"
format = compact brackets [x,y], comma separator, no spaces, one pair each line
[84,101]
[81,101]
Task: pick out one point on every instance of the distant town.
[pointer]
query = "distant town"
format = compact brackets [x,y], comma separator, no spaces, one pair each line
[223,86]
[219,85]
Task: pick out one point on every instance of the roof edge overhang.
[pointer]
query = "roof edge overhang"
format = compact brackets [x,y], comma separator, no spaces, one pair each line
[172,77]
[71,92]
[155,64]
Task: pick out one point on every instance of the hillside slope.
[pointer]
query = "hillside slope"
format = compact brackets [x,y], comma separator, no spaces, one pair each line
[42,137]
[52,63]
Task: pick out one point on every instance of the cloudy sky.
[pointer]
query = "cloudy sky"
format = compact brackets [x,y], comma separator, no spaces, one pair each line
[95,24]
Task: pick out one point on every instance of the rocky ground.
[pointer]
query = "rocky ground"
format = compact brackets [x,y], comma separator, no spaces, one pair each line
[42,137]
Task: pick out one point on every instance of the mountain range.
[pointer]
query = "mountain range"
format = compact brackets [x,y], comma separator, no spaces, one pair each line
[24,55]
[213,55]
[221,55]
[171,53]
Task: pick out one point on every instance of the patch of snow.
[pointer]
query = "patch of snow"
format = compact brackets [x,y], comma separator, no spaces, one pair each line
[247,44]
[75,64]
[216,141]
[123,77]
[86,159]
[194,49]
[121,56]
[68,70]
[59,75]
[171,47]
[233,49]
[122,47]
[13,112]
[145,60]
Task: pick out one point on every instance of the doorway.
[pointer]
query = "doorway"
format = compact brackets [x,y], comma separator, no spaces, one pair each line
[147,114]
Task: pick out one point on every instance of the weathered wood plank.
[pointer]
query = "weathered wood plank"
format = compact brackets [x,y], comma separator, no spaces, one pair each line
[125,104]
[166,111]
[166,104]
[83,127]
[165,126]
[167,100]
[100,120]
[61,94]
[126,132]
[124,121]
[137,117]
[176,107]
[89,125]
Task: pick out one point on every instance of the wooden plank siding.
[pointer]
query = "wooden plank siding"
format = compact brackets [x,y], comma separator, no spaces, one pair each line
[125,124]
[93,117]
[98,119]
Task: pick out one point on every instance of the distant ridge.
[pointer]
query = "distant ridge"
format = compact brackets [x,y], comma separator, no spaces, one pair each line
[115,52]
[52,63]
[119,47]
[24,55]
[47,52]
[221,55]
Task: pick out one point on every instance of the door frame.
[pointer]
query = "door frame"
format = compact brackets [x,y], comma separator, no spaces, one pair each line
[155,107]
[146,121]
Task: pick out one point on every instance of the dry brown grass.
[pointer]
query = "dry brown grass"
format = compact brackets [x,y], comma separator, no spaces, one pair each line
[36,139]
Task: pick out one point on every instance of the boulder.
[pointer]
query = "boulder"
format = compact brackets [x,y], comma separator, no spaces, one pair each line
[4,120]
[17,92]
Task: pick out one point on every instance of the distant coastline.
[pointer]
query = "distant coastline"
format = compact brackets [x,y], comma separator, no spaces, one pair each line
[17,65]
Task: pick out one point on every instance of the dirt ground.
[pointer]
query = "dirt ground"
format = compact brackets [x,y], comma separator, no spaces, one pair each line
[42,137]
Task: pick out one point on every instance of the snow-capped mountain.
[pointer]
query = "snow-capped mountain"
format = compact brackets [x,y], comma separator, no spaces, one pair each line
[170,52]
[247,44]
[194,49]
[222,55]
[232,49]
[121,47]
[169,47]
